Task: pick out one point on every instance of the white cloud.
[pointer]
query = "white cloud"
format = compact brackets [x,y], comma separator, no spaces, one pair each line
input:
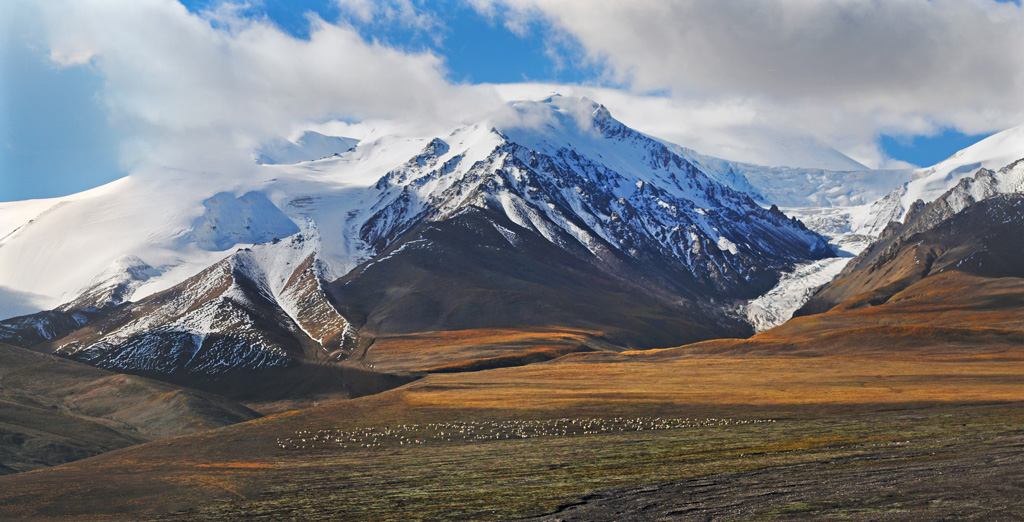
[842,70]
[203,89]
[731,128]
[743,80]
[362,10]
[396,12]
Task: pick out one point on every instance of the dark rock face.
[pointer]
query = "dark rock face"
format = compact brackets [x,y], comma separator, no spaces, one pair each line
[30,330]
[649,224]
[480,270]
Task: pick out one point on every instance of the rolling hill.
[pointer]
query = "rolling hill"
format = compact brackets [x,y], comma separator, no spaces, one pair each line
[53,410]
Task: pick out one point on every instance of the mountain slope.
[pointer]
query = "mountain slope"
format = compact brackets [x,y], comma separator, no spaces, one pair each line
[256,309]
[310,146]
[256,326]
[29,330]
[53,410]
[973,228]
[992,153]
[480,270]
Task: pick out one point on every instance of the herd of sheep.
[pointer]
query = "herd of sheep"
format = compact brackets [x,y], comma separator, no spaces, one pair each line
[479,431]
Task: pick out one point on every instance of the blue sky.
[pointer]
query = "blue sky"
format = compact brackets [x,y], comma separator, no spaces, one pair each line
[55,134]
[61,129]
[928,150]
[477,49]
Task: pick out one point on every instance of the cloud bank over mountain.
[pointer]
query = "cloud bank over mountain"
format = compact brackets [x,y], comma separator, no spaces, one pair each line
[218,81]
[200,90]
[843,71]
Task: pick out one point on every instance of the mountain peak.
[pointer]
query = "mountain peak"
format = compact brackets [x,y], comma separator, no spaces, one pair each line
[556,113]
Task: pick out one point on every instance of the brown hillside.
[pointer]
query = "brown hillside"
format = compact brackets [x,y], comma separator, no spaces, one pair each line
[53,410]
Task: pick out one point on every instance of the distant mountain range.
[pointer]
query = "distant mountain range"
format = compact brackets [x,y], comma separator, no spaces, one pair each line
[545,214]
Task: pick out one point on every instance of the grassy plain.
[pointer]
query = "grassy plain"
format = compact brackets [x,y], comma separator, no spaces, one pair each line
[886,388]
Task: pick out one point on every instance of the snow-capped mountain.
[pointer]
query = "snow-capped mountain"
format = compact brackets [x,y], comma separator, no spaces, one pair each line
[565,169]
[801,187]
[984,184]
[561,168]
[577,200]
[178,225]
[926,184]
[619,201]
[258,308]
[308,147]
[993,153]
[973,174]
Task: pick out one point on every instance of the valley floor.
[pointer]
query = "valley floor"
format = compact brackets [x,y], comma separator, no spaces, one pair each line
[911,410]
[735,457]
[905,464]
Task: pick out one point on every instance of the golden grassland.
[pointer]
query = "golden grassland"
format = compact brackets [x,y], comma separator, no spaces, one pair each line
[579,382]
[943,361]
[466,350]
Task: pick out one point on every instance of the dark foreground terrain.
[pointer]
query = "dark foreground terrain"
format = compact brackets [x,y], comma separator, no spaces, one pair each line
[975,477]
